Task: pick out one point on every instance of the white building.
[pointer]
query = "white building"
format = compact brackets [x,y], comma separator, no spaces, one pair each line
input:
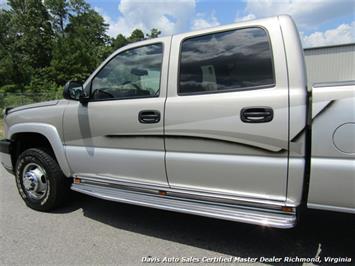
[330,63]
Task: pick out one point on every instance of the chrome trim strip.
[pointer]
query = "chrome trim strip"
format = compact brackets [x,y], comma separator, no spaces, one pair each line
[183,193]
[253,216]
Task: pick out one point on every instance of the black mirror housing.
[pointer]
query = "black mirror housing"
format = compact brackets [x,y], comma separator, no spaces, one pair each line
[73,90]
[84,99]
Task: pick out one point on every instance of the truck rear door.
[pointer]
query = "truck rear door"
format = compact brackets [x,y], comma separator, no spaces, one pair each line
[226,118]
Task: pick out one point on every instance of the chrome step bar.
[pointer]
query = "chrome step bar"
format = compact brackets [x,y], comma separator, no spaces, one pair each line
[258,216]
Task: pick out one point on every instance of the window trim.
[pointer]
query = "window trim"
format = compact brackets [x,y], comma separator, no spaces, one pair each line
[129,98]
[249,88]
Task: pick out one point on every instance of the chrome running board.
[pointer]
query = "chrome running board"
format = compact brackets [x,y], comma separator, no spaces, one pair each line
[161,200]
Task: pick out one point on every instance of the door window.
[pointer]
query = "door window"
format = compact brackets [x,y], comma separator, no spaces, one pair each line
[226,61]
[134,73]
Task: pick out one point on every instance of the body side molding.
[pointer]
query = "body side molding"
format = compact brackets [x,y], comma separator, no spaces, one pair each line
[330,208]
[204,195]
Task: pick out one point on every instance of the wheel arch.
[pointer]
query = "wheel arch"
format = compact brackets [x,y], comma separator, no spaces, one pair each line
[41,133]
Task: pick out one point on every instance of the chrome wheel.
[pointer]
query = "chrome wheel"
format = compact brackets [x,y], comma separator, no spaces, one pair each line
[34,180]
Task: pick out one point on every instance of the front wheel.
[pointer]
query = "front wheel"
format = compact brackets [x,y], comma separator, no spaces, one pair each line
[40,181]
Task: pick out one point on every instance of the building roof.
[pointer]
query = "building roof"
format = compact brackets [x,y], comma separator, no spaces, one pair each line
[329,46]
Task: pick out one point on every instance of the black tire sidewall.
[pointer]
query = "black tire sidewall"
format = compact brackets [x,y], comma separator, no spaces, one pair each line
[36,156]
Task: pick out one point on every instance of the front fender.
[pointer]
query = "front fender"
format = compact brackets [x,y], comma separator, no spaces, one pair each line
[51,133]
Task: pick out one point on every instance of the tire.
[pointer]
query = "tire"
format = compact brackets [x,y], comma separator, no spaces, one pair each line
[40,181]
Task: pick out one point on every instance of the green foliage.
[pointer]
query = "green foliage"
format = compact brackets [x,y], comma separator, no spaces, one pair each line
[73,59]
[43,44]
[32,31]
[136,35]
[119,42]
[10,88]
[59,11]
[154,33]
[42,82]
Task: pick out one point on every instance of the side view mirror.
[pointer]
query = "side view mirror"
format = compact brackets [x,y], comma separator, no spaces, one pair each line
[73,90]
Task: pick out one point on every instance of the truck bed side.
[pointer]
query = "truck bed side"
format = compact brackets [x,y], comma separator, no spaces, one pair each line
[332,181]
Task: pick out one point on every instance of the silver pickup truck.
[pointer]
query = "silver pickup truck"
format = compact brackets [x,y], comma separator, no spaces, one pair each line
[216,122]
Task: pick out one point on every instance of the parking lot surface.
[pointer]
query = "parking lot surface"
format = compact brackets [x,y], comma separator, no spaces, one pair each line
[92,231]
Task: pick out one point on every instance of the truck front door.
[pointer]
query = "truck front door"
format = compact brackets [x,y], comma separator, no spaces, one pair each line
[119,133]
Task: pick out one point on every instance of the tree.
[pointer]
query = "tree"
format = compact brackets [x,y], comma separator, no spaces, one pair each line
[34,35]
[79,7]
[136,35]
[8,71]
[59,13]
[26,40]
[83,46]
[154,33]
[88,26]
[119,42]
[45,43]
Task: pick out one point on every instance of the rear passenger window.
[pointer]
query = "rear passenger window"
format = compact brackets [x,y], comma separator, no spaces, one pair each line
[226,61]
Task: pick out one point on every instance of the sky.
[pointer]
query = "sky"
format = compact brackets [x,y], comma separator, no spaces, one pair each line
[320,22]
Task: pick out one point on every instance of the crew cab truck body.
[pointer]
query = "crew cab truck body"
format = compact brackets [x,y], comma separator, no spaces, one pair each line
[217,122]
